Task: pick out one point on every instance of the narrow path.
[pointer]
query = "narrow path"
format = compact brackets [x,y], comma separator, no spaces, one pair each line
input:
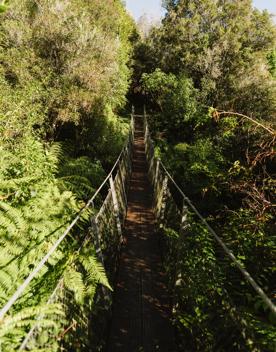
[141,316]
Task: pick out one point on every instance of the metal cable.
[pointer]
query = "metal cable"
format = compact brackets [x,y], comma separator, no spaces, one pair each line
[229,253]
[44,260]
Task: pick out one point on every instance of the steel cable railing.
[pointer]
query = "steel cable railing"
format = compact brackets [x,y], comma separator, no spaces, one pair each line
[177,221]
[106,235]
[111,215]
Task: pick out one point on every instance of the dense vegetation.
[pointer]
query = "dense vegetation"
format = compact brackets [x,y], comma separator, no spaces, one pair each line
[63,78]
[209,74]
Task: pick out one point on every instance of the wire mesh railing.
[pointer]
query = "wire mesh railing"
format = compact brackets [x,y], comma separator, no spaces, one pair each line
[63,322]
[217,304]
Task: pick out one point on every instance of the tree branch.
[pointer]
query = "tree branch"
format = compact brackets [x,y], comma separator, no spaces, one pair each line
[268,129]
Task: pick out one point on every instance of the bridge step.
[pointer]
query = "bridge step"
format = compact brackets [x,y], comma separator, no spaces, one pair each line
[141,315]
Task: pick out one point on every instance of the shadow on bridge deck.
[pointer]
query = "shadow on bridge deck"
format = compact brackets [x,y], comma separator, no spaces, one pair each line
[141,314]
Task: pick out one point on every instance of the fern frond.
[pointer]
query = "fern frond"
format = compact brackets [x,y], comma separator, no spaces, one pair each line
[12,218]
[7,277]
[25,318]
[94,269]
[54,156]
[79,185]
[73,281]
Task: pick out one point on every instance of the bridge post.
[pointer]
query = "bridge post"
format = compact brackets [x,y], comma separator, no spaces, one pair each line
[184,220]
[97,241]
[120,173]
[156,174]
[116,207]
[184,224]
[149,153]
[145,112]
[163,196]
[127,160]
[132,127]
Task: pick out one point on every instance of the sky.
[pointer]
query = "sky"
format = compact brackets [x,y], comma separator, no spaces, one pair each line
[153,7]
[138,7]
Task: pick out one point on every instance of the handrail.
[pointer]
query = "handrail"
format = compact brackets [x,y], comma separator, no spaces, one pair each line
[29,335]
[44,260]
[50,299]
[228,252]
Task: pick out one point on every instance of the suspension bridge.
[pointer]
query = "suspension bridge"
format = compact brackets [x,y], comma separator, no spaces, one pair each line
[142,199]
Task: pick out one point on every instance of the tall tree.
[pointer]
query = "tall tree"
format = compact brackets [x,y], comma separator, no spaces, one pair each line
[223,46]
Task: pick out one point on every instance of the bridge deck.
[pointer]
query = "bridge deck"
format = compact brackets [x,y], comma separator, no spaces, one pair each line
[141,315]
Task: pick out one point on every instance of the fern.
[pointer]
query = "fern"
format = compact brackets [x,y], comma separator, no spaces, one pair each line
[95,271]
[13,327]
[74,282]
[84,274]
[43,185]
[78,185]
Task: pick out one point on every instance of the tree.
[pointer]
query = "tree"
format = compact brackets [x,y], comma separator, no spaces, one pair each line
[208,74]
[145,24]
[64,75]
[223,46]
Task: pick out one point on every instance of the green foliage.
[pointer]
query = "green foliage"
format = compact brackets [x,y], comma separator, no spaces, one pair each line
[222,47]
[64,75]
[42,189]
[84,274]
[214,309]
[209,58]
[4,5]
[177,99]
[272,63]
[158,85]
[27,234]
[11,328]
[68,81]
[200,164]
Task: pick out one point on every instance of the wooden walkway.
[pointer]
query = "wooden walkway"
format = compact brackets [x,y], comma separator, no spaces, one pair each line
[141,314]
